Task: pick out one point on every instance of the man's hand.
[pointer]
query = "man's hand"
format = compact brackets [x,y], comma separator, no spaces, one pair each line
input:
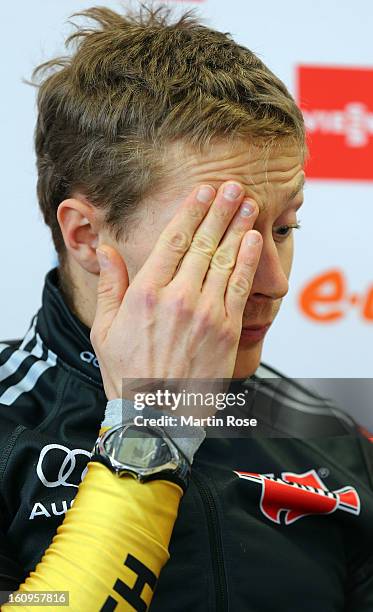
[181,317]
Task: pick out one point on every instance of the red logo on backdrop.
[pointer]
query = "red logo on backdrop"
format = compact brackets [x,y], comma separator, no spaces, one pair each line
[299,495]
[337,104]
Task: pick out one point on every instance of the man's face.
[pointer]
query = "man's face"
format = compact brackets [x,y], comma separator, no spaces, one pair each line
[274,181]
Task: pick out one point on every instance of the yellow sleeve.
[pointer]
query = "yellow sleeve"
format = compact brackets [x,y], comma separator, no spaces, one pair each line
[111,547]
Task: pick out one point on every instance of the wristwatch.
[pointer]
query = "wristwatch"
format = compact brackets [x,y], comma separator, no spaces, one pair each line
[145,453]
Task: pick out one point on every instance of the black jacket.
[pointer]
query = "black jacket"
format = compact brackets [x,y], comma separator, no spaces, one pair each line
[280,520]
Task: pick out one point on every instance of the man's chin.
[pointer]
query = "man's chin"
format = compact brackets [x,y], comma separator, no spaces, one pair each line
[248,358]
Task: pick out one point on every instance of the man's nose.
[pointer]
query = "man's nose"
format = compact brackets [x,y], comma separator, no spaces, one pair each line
[271,279]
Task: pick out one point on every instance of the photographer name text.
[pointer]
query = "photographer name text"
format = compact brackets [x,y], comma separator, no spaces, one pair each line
[210,421]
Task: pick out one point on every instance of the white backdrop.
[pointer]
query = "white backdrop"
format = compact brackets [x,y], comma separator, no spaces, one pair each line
[337,218]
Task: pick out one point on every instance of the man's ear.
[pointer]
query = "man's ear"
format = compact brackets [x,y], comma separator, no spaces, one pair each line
[79,222]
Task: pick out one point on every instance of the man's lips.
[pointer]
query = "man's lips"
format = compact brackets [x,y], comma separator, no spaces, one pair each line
[257,325]
[255,332]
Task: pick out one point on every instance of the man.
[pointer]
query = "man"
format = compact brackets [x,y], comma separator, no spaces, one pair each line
[160,146]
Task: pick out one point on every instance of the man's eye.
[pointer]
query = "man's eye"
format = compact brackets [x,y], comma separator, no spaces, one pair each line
[284,231]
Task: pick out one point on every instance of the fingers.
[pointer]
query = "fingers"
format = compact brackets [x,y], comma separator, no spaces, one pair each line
[224,259]
[175,240]
[112,285]
[241,279]
[206,239]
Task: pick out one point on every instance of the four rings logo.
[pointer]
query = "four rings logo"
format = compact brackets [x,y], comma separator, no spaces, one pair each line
[62,465]
[89,357]
[337,105]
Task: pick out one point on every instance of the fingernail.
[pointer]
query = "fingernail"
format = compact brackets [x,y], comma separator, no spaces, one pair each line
[252,238]
[103,260]
[205,194]
[232,191]
[247,208]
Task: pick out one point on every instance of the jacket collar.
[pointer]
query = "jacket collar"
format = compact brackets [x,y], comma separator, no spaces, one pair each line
[63,332]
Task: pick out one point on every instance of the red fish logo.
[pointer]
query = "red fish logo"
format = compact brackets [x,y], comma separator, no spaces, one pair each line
[300,495]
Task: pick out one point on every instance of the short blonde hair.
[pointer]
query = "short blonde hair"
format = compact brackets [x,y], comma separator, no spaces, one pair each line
[135,83]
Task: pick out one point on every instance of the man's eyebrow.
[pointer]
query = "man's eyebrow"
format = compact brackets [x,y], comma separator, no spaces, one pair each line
[288,196]
[291,195]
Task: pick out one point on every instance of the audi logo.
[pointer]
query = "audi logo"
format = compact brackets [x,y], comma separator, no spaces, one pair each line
[89,357]
[66,468]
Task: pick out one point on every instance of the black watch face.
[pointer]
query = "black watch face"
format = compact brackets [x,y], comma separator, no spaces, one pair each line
[138,447]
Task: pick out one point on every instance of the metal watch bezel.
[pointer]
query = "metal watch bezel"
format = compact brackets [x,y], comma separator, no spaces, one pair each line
[142,474]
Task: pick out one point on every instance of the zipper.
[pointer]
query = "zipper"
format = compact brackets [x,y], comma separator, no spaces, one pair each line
[216,545]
